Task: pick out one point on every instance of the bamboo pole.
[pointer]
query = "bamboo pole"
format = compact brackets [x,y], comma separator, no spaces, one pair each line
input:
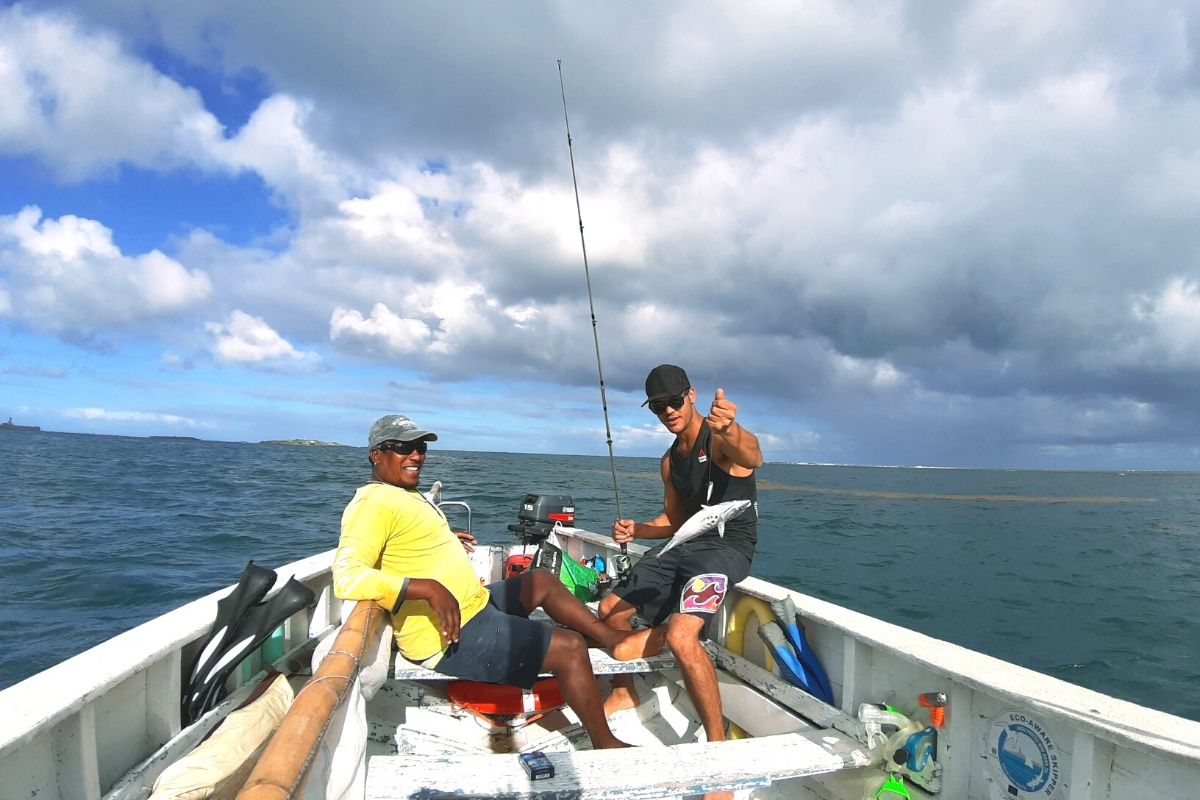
[283,767]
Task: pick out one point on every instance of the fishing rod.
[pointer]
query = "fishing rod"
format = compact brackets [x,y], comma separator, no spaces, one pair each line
[621,562]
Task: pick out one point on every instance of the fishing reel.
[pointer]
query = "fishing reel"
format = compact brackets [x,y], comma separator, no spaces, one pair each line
[622,565]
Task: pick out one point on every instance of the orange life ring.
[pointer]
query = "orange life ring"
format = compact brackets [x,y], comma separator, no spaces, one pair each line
[499,698]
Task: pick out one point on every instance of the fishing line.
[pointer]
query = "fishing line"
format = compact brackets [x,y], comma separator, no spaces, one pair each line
[623,563]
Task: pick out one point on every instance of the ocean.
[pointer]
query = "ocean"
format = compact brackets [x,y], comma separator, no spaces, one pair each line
[1093,577]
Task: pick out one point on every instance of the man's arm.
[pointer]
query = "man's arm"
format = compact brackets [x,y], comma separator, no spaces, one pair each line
[735,449]
[355,576]
[662,526]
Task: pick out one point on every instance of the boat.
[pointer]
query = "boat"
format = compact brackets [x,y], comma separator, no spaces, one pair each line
[10,426]
[906,715]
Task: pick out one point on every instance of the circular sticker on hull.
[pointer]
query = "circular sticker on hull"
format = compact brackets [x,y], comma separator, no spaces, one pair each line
[1024,761]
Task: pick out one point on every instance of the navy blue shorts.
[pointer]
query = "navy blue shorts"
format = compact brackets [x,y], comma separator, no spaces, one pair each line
[500,644]
[691,579]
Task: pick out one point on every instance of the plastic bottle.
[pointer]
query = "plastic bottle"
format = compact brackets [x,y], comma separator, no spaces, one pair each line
[895,752]
[882,722]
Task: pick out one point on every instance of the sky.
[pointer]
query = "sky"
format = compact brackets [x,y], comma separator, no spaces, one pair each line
[912,233]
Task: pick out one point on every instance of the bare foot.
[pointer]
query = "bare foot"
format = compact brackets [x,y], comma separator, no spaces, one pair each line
[719,796]
[616,743]
[640,644]
[622,696]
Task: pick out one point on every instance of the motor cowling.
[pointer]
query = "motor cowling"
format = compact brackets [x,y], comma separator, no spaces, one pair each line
[539,513]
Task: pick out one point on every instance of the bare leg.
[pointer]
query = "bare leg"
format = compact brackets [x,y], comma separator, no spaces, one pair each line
[541,589]
[567,660]
[618,614]
[699,677]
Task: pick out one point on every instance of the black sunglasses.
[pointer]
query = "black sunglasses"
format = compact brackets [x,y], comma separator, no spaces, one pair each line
[405,448]
[659,406]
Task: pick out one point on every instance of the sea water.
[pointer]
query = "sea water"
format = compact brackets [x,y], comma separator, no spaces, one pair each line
[1093,577]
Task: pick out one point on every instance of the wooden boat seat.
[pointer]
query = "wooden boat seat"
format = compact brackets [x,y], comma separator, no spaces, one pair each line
[684,769]
[602,664]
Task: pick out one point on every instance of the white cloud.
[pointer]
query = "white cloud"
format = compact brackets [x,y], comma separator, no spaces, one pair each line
[1173,319]
[915,209]
[246,340]
[383,332]
[77,100]
[37,371]
[66,276]
[274,144]
[107,415]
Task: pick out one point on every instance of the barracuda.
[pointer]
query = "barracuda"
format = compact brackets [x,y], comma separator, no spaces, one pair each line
[704,520]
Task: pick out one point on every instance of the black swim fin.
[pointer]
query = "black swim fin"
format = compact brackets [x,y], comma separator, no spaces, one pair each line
[254,629]
[254,584]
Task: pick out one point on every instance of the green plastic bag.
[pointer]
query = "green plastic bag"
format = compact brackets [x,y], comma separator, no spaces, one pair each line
[581,580]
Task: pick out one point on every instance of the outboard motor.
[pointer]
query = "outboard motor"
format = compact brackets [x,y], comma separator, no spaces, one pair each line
[537,518]
[538,515]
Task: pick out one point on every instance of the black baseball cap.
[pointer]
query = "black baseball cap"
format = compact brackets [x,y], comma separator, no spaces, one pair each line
[666,380]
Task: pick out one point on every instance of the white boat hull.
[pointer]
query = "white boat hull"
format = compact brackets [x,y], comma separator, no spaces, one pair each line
[104,724]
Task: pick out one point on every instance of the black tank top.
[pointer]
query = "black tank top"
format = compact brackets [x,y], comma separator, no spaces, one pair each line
[691,475]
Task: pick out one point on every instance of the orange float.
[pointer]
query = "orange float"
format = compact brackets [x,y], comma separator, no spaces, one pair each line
[503,700]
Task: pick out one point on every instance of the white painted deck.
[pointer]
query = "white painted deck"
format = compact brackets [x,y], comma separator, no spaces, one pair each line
[642,772]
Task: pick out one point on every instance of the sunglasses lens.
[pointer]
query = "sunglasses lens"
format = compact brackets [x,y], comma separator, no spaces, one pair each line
[659,406]
[407,448]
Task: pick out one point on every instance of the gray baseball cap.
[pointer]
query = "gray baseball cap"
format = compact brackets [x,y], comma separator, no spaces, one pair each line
[399,428]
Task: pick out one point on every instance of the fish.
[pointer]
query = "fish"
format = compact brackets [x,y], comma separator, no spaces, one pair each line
[434,495]
[704,520]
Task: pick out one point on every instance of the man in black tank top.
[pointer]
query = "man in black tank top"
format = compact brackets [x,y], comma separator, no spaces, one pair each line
[712,460]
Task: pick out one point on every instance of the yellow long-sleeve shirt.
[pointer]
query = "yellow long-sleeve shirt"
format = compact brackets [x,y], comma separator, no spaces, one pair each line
[390,534]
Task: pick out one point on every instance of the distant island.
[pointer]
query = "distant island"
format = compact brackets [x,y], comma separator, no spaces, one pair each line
[302,442]
[175,438]
[9,426]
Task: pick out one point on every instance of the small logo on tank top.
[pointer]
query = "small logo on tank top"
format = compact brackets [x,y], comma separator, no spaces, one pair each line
[703,456]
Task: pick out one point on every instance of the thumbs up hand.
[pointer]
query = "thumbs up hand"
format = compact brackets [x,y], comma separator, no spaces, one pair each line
[721,415]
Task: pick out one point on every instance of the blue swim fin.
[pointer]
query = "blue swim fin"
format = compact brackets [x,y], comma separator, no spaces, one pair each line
[785,611]
[790,668]
[255,626]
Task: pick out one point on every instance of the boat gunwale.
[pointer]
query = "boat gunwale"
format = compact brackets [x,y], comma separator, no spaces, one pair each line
[1120,722]
[38,702]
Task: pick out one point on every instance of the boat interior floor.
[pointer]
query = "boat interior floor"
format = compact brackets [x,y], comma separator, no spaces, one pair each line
[423,744]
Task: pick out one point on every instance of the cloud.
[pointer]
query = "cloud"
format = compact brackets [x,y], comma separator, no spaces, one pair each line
[58,79]
[66,276]
[35,371]
[954,231]
[275,145]
[107,415]
[1172,318]
[246,340]
[382,332]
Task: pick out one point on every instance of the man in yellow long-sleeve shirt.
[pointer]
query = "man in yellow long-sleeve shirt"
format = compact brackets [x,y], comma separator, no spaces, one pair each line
[397,548]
